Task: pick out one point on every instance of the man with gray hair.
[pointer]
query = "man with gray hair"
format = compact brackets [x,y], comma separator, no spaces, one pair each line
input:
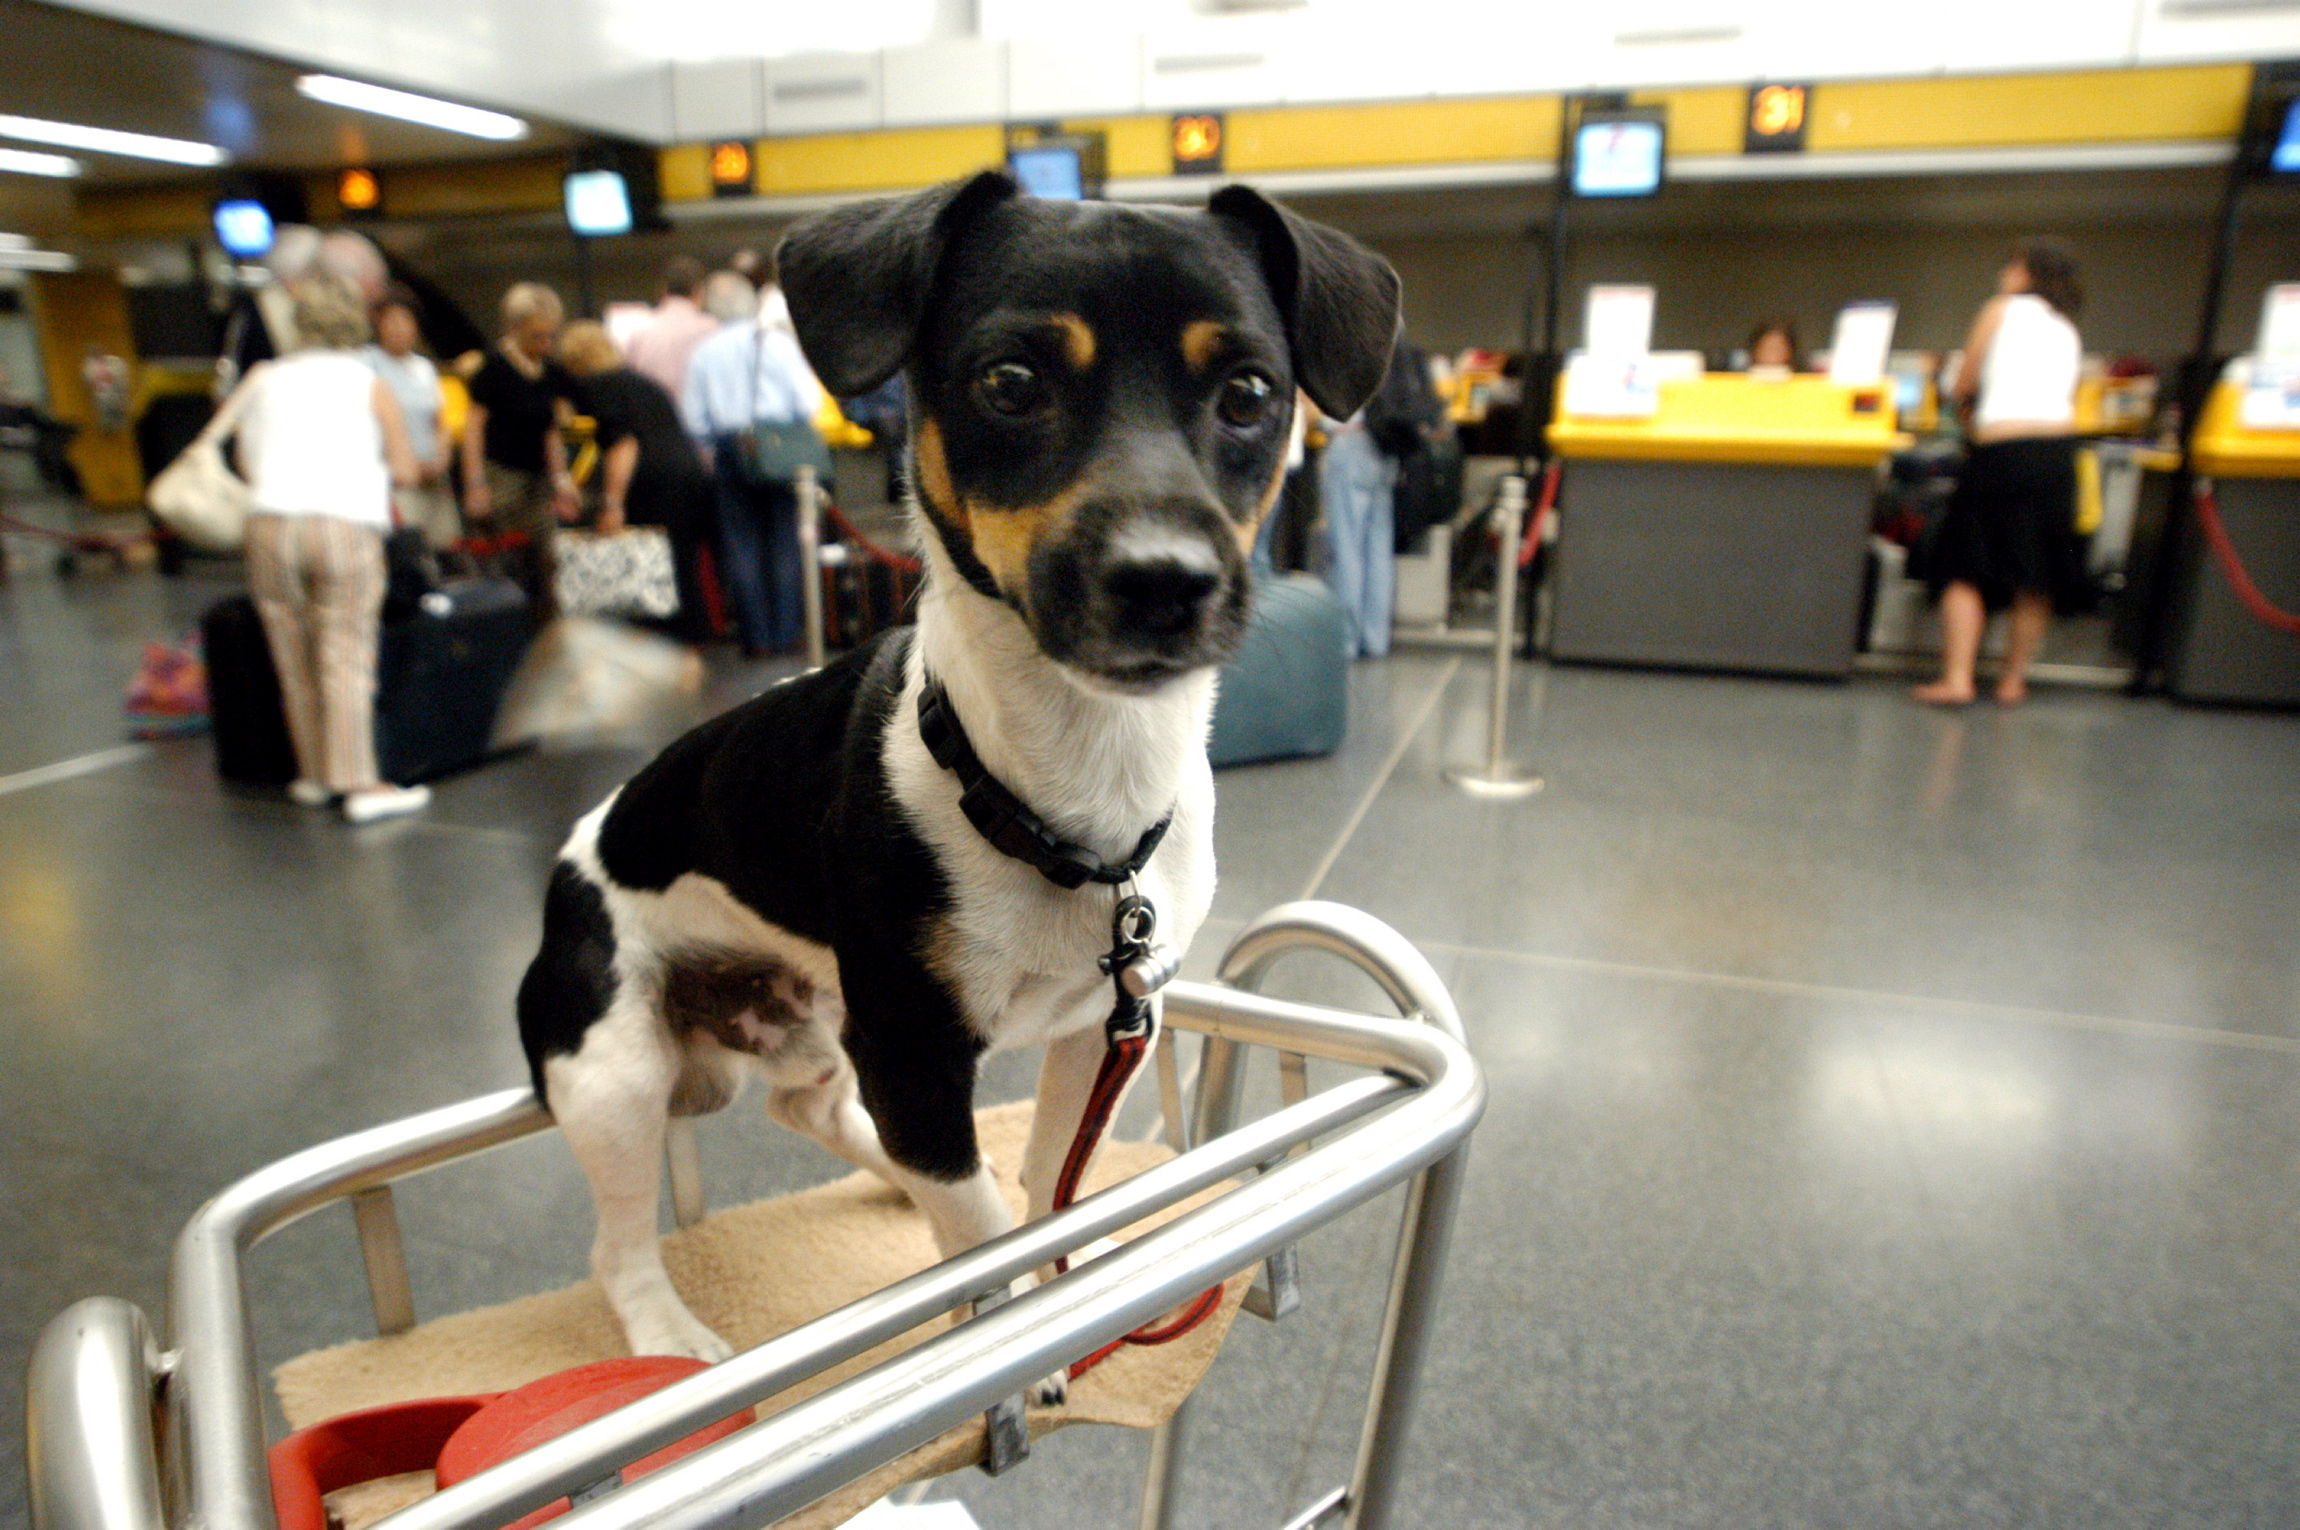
[729,297]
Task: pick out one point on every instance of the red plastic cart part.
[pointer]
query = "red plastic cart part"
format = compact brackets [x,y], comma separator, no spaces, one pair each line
[459,1437]
[359,1447]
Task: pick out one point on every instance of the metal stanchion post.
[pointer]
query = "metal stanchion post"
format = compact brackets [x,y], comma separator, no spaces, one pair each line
[1499,778]
[810,489]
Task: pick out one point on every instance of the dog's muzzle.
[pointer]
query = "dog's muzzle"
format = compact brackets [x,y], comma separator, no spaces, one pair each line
[1144,596]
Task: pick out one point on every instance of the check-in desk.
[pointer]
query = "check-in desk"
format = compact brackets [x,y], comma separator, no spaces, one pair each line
[1727,531]
[2220,651]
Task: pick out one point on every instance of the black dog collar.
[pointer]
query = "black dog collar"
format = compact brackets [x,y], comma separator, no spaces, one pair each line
[1003,819]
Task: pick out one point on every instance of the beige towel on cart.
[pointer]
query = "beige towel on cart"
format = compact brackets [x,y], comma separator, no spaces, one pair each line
[752,1272]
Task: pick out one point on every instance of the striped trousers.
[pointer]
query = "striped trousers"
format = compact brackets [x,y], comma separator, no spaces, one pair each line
[318,582]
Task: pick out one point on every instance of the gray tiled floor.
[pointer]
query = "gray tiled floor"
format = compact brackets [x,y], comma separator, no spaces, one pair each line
[1893,1114]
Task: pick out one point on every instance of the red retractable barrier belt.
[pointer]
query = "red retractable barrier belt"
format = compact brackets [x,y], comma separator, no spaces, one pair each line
[2248,595]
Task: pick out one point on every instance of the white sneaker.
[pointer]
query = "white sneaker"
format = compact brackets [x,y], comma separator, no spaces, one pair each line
[385,802]
[308,793]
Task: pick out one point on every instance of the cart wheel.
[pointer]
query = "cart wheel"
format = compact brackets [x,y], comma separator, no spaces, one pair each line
[67,565]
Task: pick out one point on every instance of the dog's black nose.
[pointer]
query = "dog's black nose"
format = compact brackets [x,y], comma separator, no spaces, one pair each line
[1160,597]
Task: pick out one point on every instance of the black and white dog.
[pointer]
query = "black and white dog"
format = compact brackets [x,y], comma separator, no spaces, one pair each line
[1101,398]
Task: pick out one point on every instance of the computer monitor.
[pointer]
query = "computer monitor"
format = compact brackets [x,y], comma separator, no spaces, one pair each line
[2269,146]
[1056,171]
[2284,157]
[1619,153]
[598,202]
[243,228]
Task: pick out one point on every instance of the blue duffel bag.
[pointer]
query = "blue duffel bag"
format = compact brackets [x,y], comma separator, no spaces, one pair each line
[1287,694]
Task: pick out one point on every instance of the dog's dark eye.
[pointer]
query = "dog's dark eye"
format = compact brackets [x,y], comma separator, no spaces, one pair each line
[1246,399]
[1011,388]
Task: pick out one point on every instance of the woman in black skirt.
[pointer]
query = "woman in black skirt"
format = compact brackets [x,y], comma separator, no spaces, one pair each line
[2008,542]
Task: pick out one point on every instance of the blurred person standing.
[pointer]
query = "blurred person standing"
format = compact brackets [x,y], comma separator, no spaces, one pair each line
[662,349]
[515,480]
[321,444]
[427,504]
[752,373]
[650,473]
[2009,539]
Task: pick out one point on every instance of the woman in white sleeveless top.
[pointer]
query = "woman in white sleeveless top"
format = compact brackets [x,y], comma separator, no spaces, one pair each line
[321,443]
[2008,541]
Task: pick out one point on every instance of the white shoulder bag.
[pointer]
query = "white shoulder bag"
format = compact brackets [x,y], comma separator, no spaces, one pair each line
[198,496]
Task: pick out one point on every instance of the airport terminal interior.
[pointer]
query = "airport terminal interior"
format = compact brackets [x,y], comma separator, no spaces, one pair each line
[1785,675]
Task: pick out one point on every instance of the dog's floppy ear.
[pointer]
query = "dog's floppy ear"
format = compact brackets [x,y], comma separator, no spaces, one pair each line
[857,277]
[1339,299]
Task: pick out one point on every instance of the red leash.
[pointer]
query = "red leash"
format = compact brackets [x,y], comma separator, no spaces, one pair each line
[2207,505]
[1118,1066]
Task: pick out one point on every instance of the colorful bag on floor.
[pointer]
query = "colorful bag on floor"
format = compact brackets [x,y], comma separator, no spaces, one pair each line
[628,573]
[169,696]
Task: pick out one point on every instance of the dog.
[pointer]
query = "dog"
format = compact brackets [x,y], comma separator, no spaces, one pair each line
[1101,399]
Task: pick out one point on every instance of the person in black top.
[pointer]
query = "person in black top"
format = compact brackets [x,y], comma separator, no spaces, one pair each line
[515,483]
[650,473]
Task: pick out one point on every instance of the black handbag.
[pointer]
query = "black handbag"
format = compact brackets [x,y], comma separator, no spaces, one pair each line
[770,453]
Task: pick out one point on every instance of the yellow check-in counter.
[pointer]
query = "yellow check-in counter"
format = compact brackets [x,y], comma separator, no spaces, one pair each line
[2219,650]
[1726,530]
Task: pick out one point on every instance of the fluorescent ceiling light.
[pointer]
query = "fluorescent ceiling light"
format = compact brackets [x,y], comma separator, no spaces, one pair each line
[455,118]
[71,135]
[36,260]
[24,162]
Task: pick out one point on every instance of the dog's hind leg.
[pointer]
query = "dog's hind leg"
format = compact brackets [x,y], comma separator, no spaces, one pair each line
[831,1113]
[612,1100]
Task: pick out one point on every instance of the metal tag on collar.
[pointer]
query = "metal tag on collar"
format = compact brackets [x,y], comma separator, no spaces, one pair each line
[1138,962]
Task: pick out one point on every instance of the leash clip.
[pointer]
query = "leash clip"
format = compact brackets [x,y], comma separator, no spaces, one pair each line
[1138,964]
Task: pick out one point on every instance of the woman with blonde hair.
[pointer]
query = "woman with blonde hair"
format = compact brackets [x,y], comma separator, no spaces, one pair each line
[650,473]
[515,482]
[321,443]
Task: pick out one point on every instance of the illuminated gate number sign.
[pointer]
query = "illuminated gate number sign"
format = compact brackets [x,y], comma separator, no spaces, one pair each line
[1776,119]
[731,169]
[1197,143]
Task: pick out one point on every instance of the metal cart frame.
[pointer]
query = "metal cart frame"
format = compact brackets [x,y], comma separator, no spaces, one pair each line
[126,1436]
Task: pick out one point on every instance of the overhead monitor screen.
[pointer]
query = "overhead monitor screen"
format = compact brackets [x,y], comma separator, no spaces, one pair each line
[2284,159]
[244,228]
[598,202]
[1620,157]
[1049,171]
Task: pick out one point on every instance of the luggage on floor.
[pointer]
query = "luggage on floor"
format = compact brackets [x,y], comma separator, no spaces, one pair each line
[1287,693]
[252,746]
[441,674]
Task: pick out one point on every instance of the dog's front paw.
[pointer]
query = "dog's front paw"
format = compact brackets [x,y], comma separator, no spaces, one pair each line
[684,1336]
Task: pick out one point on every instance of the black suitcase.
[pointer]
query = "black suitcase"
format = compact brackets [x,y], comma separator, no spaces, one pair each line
[440,677]
[252,745]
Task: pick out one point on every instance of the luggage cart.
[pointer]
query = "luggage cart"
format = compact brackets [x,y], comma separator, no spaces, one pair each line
[126,1435]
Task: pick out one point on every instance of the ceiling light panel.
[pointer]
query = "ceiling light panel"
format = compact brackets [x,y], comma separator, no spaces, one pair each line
[96,140]
[359,96]
[25,162]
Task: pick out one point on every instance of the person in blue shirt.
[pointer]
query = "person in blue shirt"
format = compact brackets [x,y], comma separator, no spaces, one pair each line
[752,372]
